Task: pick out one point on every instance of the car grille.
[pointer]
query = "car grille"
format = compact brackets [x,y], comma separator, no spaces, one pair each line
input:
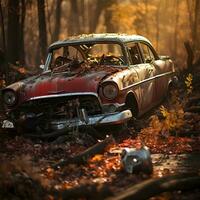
[60,107]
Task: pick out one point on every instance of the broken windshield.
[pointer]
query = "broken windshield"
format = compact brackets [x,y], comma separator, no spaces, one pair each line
[96,53]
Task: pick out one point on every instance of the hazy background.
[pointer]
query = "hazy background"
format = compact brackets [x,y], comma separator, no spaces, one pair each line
[27,27]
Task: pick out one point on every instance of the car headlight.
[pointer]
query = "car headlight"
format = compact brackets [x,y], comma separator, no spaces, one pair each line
[110,90]
[9,97]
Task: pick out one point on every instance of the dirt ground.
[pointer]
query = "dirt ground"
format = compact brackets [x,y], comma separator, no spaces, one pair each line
[26,170]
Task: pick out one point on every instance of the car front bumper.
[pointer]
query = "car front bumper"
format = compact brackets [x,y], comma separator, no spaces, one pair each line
[95,120]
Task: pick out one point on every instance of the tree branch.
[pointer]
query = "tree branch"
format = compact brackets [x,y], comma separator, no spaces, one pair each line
[88,153]
[153,187]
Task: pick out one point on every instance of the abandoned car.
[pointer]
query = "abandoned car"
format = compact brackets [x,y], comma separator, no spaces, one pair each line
[89,80]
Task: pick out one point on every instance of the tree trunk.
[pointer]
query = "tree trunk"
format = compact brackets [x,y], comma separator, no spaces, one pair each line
[158,25]
[57,21]
[195,24]
[42,29]
[108,22]
[21,41]
[190,55]
[83,16]
[49,11]
[146,17]
[100,5]
[194,19]
[190,12]
[176,26]
[13,31]
[2,28]
[74,28]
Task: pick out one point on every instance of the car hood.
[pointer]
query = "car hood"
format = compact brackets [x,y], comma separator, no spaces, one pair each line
[59,83]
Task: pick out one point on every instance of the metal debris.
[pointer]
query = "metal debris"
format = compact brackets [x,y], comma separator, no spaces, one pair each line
[134,161]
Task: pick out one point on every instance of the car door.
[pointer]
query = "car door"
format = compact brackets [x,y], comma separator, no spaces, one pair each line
[149,86]
[144,71]
[158,69]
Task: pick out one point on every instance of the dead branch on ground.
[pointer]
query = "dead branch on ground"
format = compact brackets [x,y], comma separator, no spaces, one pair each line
[153,187]
[84,191]
[88,153]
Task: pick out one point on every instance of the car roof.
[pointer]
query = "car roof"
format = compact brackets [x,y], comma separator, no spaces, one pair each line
[103,37]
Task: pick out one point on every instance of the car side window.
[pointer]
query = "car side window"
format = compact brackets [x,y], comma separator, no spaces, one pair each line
[134,53]
[73,53]
[64,55]
[147,53]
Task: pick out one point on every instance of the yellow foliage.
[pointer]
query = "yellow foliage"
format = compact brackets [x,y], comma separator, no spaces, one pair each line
[164,111]
[174,116]
[173,120]
[188,83]
[123,14]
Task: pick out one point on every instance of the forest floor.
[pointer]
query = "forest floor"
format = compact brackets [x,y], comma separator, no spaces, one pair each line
[171,132]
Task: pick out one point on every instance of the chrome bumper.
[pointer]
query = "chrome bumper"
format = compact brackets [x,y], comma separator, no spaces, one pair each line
[95,120]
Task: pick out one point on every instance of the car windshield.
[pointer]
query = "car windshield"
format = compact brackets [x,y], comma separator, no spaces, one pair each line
[93,54]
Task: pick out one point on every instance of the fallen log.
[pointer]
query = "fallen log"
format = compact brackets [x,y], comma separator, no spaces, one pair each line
[84,191]
[154,187]
[83,157]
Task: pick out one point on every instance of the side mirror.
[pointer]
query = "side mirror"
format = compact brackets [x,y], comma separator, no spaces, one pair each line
[42,67]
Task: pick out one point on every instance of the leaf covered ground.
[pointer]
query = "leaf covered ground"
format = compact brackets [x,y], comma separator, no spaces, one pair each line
[170,132]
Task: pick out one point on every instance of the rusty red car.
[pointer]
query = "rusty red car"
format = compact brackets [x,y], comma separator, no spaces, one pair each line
[89,80]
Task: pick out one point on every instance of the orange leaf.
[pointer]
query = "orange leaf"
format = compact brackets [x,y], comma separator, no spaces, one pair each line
[97,158]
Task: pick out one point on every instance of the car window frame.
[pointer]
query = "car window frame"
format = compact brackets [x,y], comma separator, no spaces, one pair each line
[121,44]
[156,57]
[128,45]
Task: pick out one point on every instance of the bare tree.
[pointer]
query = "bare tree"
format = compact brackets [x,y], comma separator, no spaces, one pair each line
[176,26]
[193,59]
[196,23]
[146,16]
[13,30]
[108,20]
[194,19]
[99,7]
[42,28]
[83,16]
[21,34]
[74,22]
[158,24]
[56,31]
[2,28]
